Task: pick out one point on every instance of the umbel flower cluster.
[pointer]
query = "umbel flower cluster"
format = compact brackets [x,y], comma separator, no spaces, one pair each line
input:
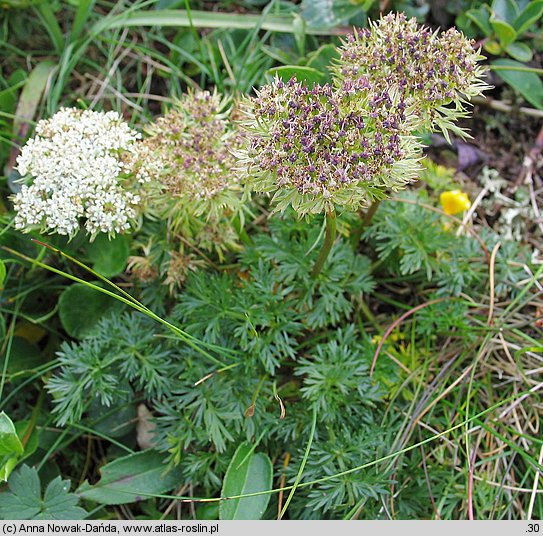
[435,72]
[193,189]
[320,146]
[353,141]
[81,164]
[194,144]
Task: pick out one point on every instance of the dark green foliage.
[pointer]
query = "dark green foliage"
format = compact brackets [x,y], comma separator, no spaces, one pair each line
[128,477]
[121,348]
[248,472]
[336,380]
[445,318]
[413,240]
[294,337]
[337,452]
[253,313]
[513,264]
[81,308]
[410,237]
[290,248]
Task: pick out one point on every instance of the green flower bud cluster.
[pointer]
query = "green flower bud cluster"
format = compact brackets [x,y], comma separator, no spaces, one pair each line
[194,145]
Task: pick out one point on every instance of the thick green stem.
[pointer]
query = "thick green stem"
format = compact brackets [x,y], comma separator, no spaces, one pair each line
[328,242]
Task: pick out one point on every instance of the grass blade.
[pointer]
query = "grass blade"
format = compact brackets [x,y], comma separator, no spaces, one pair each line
[208,19]
[51,24]
[184,336]
[30,98]
[83,12]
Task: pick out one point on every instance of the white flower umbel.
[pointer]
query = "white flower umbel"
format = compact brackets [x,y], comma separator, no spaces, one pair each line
[83,166]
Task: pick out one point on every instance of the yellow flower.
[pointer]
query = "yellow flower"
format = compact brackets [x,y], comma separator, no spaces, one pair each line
[454,201]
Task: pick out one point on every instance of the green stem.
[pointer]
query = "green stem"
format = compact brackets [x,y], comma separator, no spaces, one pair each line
[327,245]
[366,220]
[522,69]
[304,460]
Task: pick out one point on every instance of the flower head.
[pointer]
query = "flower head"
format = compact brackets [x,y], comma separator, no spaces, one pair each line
[193,143]
[434,72]
[317,147]
[80,164]
[454,201]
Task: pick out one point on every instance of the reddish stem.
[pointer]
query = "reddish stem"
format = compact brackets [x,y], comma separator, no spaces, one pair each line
[44,244]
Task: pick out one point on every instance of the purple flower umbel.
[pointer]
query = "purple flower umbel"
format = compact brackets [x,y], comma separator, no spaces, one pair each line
[316,147]
[435,73]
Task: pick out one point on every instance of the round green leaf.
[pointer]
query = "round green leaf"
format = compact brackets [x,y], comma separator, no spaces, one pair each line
[493,47]
[529,16]
[481,17]
[520,52]
[506,10]
[322,58]
[109,257]
[505,32]
[82,307]
[24,356]
[10,443]
[528,84]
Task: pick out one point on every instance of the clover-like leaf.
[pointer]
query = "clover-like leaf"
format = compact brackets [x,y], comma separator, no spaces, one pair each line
[24,499]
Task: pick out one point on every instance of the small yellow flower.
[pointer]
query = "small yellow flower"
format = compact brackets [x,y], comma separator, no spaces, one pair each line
[454,201]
